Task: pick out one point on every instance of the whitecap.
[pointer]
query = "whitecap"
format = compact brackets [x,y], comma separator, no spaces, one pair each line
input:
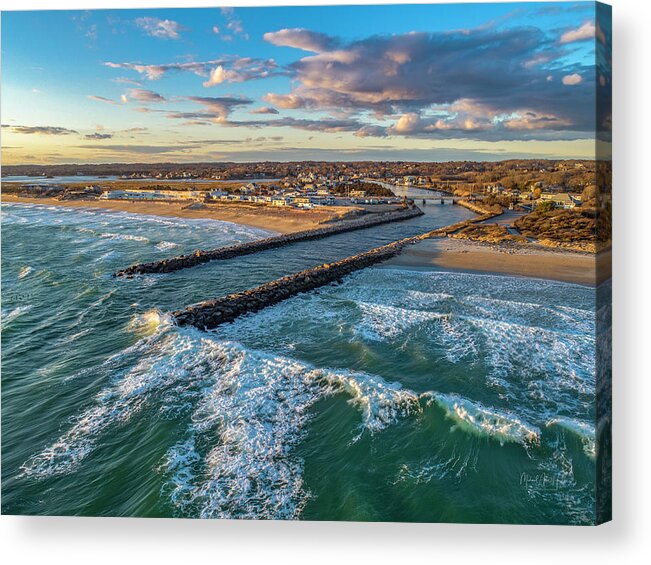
[14,314]
[25,271]
[476,418]
[584,430]
[166,245]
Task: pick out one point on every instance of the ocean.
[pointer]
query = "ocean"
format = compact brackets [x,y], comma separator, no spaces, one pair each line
[396,395]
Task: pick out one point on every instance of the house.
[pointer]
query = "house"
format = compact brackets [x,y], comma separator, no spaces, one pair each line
[562,200]
[302,202]
[216,194]
[321,200]
[495,188]
[250,188]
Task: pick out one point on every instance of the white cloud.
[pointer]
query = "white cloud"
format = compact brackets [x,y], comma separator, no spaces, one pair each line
[219,75]
[143,95]
[287,101]
[572,80]
[101,99]
[244,68]
[300,38]
[265,110]
[163,29]
[586,31]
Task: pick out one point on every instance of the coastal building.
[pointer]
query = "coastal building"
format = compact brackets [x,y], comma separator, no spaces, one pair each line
[152,195]
[562,200]
[216,194]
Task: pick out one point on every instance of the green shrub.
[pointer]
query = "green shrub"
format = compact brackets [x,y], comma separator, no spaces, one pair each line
[545,206]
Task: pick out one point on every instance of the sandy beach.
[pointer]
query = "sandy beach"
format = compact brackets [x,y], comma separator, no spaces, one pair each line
[274,219]
[467,256]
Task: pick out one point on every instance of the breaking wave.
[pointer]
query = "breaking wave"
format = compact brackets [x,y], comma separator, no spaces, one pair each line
[478,419]
[8,316]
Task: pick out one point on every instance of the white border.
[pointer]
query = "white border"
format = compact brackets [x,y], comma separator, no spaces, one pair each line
[626,540]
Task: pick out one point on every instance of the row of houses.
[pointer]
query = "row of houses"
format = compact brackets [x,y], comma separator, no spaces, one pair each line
[560,199]
[152,195]
[295,200]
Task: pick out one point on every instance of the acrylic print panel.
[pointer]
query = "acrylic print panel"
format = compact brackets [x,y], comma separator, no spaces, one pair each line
[316,263]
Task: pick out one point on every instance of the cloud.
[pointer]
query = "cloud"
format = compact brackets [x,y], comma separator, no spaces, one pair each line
[572,80]
[101,99]
[163,29]
[233,25]
[98,136]
[219,74]
[145,149]
[586,32]
[146,96]
[300,38]
[41,130]
[265,110]
[125,80]
[233,69]
[326,125]
[371,131]
[84,27]
[421,78]
[215,109]
[286,101]
[220,107]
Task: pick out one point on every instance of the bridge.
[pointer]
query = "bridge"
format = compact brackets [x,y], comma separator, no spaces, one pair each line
[443,200]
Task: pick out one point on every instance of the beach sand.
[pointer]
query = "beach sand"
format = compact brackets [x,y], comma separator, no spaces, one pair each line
[468,256]
[274,219]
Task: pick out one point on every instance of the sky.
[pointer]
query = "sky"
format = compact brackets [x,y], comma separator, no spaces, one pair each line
[386,82]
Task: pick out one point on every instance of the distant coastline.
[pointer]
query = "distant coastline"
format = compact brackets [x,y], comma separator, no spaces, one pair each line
[281,221]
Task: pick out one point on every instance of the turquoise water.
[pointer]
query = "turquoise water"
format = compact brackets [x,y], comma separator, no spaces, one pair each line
[396,395]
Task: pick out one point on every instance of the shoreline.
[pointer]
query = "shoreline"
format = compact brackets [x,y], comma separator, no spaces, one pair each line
[447,254]
[278,221]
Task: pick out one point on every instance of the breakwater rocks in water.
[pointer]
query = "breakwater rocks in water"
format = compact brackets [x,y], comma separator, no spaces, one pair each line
[212,313]
[199,257]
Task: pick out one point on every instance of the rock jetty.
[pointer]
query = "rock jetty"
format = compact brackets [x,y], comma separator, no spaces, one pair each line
[203,256]
[212,313]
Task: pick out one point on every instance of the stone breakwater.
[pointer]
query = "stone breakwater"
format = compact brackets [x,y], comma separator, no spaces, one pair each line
[479,208]
[212,313]
[199,257]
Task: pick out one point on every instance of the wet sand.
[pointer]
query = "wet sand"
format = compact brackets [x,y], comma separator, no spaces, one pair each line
[467,256]
[273,219]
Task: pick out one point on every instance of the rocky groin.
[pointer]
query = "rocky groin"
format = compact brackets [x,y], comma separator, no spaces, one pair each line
[212,313]
[478,207]
[203,256]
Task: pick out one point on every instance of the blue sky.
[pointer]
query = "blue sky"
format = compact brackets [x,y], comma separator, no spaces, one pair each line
[421,82]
